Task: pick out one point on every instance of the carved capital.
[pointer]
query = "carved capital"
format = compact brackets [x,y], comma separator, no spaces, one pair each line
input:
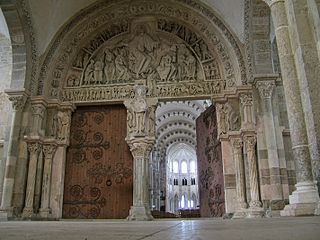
[34,147]
[246,99]
[250,142]
[265,88]
[237,143]
[141,148]
[49,150]
[38,109]
[18,102]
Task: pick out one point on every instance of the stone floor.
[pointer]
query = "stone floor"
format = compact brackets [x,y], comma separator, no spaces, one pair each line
[304,228]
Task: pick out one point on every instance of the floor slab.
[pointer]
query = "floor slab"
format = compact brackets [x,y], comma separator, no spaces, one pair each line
[306,228]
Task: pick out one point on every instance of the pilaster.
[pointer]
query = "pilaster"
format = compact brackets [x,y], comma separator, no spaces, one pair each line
[18,99]
[266,90]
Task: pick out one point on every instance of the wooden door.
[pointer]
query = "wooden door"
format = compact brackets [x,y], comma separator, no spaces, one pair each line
[99,167]
[210,166]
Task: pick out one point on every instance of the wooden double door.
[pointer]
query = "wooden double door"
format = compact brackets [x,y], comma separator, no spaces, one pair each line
[99,166]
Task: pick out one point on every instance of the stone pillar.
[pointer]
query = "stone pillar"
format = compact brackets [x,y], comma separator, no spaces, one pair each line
[49,149]
[18,100]
[140,149]
[34,148]
[237,145]
[255,209]
[303,200]
[266,89]
[141,139]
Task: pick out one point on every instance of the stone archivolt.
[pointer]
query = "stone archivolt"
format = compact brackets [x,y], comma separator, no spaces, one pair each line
[174,60]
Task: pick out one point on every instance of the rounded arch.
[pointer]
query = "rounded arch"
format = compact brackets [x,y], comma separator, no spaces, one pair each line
[190,21]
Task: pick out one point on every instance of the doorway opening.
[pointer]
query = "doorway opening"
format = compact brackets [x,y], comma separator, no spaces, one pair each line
[182,163]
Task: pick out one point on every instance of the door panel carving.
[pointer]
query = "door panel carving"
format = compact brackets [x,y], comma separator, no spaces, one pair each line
[210,166]
[99,167]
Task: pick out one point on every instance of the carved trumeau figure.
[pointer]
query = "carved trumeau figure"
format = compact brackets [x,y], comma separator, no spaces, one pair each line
[137,108]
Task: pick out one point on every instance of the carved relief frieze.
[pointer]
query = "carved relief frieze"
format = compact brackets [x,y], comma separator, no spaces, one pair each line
[189,59]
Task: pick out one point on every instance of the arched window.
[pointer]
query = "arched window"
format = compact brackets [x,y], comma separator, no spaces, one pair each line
[192,166]
[175,167]
[184,167]
[182,202]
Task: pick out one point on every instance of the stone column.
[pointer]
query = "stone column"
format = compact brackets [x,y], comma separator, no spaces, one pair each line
[141,139]
[49,150]
[38,107]
[303,200]
[255,209]
[18,102]
[266,89]
[34,148]
[237,145]
[140,149]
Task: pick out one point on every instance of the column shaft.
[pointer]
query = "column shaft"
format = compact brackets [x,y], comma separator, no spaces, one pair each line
[306,192]
[49,151]
[240,176]
[34,149]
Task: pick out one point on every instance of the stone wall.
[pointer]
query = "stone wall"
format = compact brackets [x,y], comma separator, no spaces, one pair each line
[5,105]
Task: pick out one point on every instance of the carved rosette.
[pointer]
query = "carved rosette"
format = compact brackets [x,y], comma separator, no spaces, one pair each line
[18,102]
[265,88]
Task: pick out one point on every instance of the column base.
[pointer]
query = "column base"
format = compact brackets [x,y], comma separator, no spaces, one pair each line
[27,213]
[303,201]
[6,214]
[241,213]
[317,211]
[45,214]
[255,212]
[139,214]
